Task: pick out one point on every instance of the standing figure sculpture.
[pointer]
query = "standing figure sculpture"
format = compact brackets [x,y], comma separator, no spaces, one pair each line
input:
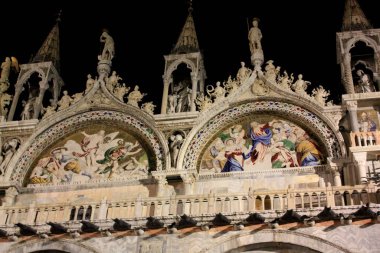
[109,47]
[254,37]
[135,96]
[89,83]
[8,150]
[243,73]
[6,66]
[183,96]
[175,144]
[364,83]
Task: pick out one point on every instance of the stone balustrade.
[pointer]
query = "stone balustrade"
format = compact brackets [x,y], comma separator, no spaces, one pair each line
[194,205]
[363,139]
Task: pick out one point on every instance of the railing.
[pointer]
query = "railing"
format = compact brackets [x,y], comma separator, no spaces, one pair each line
[194,205]
[363,139]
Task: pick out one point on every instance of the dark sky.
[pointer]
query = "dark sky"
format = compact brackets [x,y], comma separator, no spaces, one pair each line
[298,35]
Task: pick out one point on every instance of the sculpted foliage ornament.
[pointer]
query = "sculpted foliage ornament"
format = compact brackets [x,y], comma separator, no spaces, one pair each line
[320,95]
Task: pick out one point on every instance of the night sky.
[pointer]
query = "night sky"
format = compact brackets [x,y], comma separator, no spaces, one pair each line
[298,35]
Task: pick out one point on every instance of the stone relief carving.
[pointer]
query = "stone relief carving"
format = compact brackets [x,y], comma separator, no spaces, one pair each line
[259,88]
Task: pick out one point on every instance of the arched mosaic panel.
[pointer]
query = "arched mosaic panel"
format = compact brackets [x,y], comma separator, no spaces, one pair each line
[293,113]
[262,142]
[100,144]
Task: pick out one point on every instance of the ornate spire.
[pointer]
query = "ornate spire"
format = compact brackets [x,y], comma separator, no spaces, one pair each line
[49,50]
[354,18]
[187,41]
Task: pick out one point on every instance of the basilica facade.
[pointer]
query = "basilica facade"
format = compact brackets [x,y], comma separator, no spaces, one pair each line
[259,162]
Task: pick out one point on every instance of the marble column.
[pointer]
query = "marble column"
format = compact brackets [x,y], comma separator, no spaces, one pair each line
[38,105]
[102,215]
[352,110]
[165,93]
[194,82]
[161,185]
[360,159]
[31,214]
[188,181]
[347,74]
[18,90]
[335,169]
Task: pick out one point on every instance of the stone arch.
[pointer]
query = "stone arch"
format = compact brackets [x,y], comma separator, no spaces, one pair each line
[54,131]
[231,243]
[199,137]
[368,41]
[57,246]
[173,66]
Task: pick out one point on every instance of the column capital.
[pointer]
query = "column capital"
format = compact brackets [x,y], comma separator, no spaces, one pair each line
[352,105]
[188,178]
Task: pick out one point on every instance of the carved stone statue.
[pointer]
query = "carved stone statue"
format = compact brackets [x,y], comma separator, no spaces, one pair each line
[5,71]
[120,91]
[218,93]
[231,85]
[109,47]
[65,101]
[148,107]
[285,81]
[203,102]
[89,83]
[8,149]
[113,81]
[76,97]
[183,93]
[48,111]
[243,73]
[28,111]
[300,86]
[175,144]
[270,71]
[135,96]
[254,37]
[320,95]
[365,83]
[5,101]
[172,98]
